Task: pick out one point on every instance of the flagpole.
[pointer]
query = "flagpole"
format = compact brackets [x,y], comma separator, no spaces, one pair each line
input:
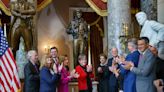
[5,30]
[89,47]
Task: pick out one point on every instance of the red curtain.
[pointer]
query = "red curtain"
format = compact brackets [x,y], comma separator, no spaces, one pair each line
[96,39]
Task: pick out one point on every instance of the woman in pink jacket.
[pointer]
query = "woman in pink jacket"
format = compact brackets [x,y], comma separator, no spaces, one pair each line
[65,75]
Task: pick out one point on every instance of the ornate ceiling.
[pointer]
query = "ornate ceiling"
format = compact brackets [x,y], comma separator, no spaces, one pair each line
[99,6]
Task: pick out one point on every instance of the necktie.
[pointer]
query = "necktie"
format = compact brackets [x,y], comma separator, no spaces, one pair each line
[56,63]
[56,60]
[36,68]
[141,57]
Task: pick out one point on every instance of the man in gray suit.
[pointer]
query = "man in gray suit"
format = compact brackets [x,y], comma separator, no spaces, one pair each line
[146,67]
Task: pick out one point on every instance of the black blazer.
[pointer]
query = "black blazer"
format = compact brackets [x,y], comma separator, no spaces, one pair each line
[32,79]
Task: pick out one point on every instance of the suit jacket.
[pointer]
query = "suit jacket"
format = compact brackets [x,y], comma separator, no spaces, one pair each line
[113,81]
[84,82]
[130,77]
[103,79]
[32,79]
[145,72]
[160,68]
[48,81]
[64,80]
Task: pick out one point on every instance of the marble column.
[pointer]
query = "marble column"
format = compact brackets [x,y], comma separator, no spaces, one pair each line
[118,14]
[150,8]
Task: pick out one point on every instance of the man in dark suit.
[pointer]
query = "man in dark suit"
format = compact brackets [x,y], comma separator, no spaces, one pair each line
[160,63]
[113,81]
[54,55]
[31,71]
[145,71]
[159,82]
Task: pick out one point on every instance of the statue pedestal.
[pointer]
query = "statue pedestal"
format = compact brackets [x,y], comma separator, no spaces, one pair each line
[73,86]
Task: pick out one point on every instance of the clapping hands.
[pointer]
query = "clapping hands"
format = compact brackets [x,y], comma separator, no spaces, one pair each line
[159,85]
[57,69]
[114,70]
[99,69]
[128,65]
[60,67]
[89,68]
[119,60]
[74,74]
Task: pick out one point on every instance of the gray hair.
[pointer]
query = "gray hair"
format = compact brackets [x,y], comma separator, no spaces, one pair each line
[81,56]
[133,42]
[114,48]
[30,53]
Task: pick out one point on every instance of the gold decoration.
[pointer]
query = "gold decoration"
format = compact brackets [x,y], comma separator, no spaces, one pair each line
[98,26]
[5,9]
[97,10]
[43,4]
[105,1]
[124,36]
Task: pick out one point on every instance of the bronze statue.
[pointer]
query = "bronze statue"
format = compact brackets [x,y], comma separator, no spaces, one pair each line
[24,11]
[79,30]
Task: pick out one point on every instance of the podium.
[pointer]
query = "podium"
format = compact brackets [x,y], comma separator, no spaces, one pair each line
[73,86]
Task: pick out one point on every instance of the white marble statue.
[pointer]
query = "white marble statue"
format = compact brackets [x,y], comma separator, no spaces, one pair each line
[21,59]
[154,31]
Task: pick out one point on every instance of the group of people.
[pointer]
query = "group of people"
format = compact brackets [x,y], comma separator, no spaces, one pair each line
[52,75]
[140,71]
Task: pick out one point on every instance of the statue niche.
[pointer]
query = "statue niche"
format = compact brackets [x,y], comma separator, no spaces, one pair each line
[23,12]
[79,30]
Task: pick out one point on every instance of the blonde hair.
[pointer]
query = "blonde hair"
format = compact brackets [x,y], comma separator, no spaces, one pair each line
[44,60]
[62,58]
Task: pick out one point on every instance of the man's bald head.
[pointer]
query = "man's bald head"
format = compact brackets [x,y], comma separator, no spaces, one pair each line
[114,52]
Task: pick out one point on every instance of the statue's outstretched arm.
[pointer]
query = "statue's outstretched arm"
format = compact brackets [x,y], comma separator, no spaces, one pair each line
[157,26]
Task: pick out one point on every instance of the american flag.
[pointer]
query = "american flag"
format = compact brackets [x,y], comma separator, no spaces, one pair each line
[9,80]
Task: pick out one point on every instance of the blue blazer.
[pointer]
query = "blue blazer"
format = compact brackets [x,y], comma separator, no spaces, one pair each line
[129,77]
[48,81]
